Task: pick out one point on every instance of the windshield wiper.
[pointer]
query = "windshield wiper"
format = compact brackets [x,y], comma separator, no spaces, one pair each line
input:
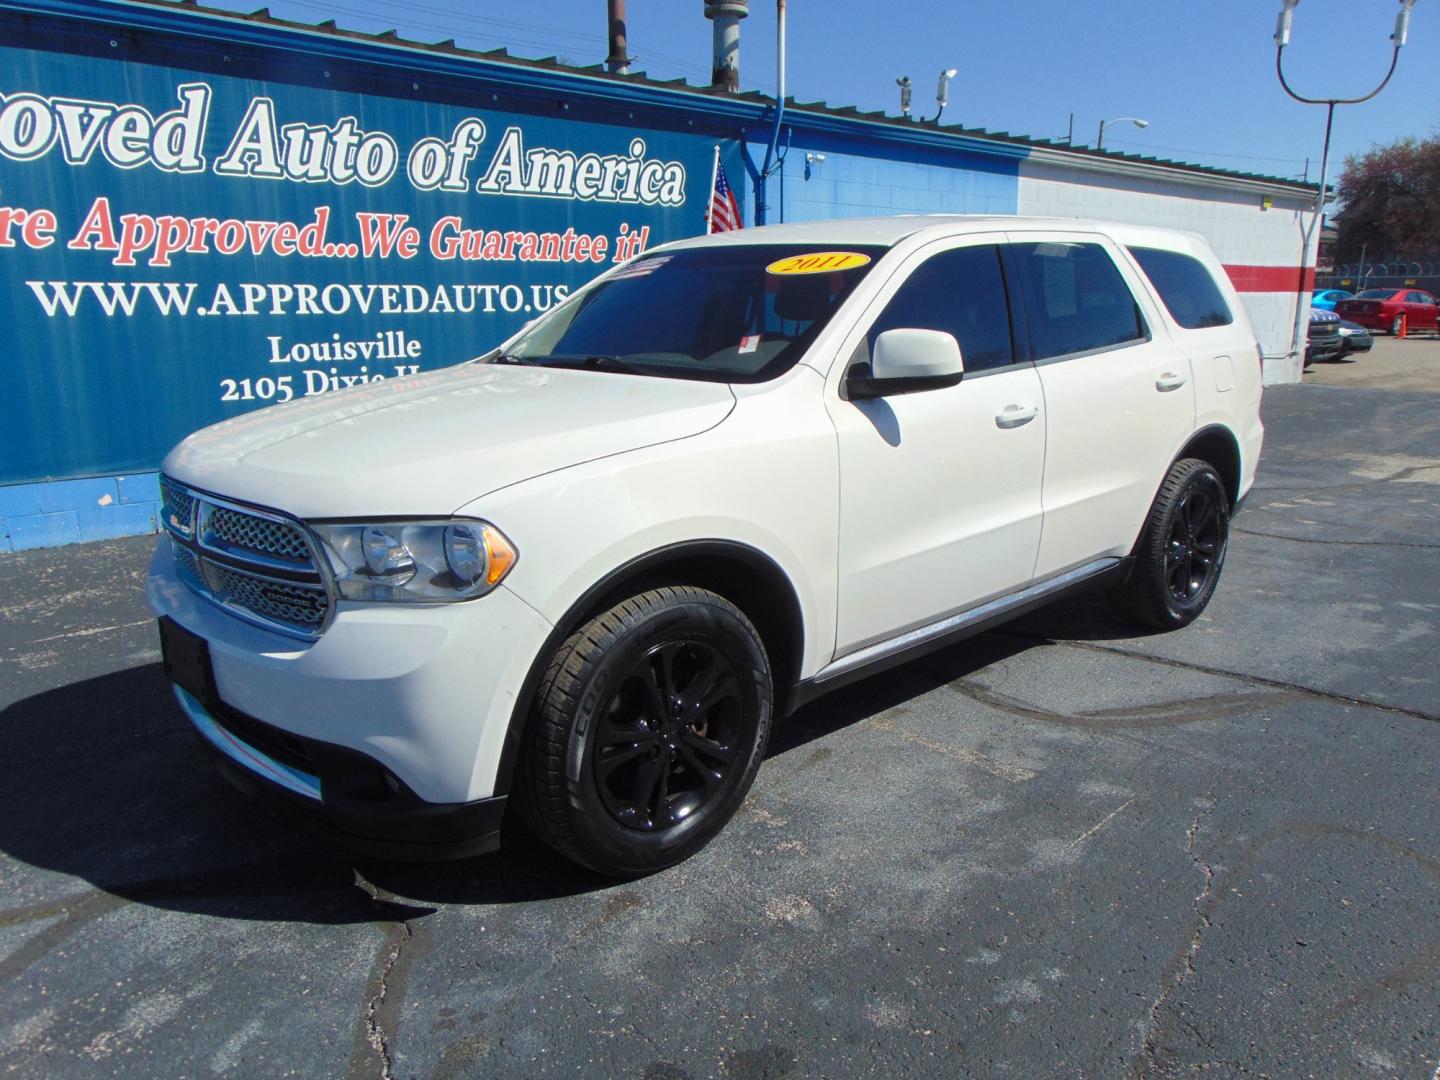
[508,358]
[595,361]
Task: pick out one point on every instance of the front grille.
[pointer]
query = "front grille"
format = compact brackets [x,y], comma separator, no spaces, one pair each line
[187,564]
[295,605]
[263,536]
[255,564]
[177,507]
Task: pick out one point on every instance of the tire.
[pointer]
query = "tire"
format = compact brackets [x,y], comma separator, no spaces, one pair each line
[649,726]
[1181,550]
[1395,326]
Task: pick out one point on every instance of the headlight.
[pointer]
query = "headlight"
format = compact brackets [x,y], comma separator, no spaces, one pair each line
[416,562]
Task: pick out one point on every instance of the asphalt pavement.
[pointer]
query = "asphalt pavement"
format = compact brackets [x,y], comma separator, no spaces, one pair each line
[1057,850]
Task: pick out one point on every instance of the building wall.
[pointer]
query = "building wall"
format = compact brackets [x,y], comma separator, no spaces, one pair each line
[82,447]
[69,511]
[839,182]
[1262,248]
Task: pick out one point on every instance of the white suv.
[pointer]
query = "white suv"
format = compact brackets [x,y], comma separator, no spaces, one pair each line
[588,569]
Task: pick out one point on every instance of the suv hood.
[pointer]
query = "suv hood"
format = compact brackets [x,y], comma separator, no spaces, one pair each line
[428,444]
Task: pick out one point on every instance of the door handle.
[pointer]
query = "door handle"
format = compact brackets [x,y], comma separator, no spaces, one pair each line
[1168,381]
[1013,416]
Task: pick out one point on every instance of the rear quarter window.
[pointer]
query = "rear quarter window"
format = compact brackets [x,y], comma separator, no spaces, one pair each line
[1186,287]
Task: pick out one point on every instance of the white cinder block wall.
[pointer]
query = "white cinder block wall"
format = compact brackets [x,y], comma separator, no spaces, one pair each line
[1261,248]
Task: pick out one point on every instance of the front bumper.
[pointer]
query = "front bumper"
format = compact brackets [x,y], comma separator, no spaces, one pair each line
[375,820]
[426,692]
[1355,343]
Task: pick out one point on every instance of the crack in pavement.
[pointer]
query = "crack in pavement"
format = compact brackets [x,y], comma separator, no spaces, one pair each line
[1400,474]
[1338,543]
[1184,965]
[1205,669]
[385,990]
[397,938]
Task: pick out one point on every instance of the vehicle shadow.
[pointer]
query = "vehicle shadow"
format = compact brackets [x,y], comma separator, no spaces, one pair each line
[103,780]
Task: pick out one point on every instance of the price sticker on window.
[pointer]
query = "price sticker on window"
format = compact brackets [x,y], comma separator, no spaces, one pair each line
[818,262]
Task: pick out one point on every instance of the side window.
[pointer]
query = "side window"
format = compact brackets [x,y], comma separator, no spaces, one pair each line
[961,292]
[1416,298]
[1190,293]
[1075,299]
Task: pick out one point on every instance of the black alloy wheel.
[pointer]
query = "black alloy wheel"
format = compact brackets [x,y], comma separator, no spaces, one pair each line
[1193,549]
[649,726]
[671,735]
[1181,551]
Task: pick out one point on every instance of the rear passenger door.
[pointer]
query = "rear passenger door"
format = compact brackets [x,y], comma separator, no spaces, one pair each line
[1119,396]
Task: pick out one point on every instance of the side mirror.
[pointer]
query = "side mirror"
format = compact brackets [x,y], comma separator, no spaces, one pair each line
[904,361]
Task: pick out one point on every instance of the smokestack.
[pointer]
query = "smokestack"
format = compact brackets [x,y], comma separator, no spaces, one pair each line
[619,59]
[726,15]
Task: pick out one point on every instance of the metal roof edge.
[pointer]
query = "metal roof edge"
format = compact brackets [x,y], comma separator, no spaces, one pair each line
[261,29]
[1178,172]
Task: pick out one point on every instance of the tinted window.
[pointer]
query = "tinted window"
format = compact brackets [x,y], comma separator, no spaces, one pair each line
[1075,299]
[1416,298]
[1374,294]
[1189,292]
[961,292]
[714,313]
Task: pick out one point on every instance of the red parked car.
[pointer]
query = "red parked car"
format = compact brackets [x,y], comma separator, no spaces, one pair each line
[1380,309]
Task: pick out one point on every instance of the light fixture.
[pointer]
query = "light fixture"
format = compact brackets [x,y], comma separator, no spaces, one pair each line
[942,94]
[1100,139]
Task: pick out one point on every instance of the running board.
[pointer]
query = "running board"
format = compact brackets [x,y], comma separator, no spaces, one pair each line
[917,642]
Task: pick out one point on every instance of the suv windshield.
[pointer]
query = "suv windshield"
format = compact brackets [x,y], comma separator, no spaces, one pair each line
[741,313]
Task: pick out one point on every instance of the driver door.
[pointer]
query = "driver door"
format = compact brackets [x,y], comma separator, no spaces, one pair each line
[939,489]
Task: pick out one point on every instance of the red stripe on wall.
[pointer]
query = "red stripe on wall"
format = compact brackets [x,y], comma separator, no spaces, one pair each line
[1272,278]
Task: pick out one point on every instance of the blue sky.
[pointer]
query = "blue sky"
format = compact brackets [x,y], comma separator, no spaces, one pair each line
[1202,73]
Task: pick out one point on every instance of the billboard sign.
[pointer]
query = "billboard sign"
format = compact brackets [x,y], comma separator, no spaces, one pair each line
[181,246]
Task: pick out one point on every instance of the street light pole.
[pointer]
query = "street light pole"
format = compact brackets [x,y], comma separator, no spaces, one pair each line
[1100,138]
[1312,236]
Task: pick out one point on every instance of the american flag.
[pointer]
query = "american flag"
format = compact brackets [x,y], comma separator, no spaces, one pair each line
[724,207]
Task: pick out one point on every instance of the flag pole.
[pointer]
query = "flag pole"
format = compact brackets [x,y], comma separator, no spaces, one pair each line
[710,202]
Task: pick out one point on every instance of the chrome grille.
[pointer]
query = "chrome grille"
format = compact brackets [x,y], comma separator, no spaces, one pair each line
[255,564]
[177,507]
[187,564]
[298,605]
[261,535]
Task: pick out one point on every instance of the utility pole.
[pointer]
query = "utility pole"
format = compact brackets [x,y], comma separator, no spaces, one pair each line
[1312,235]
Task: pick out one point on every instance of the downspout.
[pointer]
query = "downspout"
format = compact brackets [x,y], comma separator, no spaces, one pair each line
[770,164]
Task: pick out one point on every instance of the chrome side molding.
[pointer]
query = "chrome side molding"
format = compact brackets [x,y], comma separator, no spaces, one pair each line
[953,623]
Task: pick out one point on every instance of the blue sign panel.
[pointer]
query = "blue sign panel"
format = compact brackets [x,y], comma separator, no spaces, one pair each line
[182,246]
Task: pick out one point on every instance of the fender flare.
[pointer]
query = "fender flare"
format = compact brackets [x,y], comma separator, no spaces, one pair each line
[621,582]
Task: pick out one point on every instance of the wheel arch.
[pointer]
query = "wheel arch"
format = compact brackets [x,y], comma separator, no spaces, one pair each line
[744,575]
[1217,445]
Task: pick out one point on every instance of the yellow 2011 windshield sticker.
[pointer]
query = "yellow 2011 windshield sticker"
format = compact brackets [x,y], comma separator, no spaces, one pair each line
[818,262]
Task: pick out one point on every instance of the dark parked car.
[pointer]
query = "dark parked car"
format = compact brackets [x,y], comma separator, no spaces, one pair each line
[1354,338]
[1323,342]
[1380,309]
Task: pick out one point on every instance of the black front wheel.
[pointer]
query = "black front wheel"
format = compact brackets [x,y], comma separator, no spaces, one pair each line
[650,724]
[1181,549]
